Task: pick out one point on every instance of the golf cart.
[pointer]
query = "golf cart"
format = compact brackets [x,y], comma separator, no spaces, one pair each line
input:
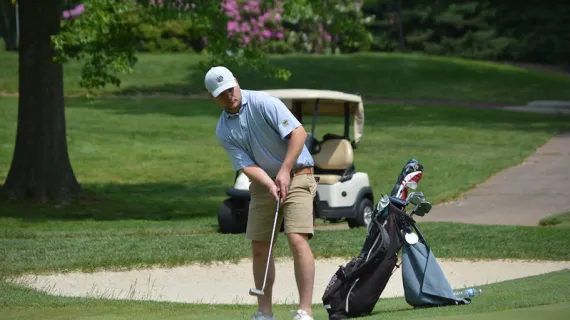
[342,192]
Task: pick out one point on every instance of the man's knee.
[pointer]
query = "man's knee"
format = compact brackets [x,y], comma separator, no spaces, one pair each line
[259,248]
[299,242]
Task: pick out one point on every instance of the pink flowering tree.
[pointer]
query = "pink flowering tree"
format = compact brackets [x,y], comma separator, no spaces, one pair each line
[102,33]
[253,22]
[74,12]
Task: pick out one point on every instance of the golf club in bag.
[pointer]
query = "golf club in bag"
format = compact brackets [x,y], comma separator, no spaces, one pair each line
[355,287]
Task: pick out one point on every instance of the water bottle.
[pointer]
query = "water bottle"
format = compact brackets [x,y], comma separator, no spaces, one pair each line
[467,293]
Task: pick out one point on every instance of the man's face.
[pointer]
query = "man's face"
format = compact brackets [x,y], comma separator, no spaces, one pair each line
[229,99]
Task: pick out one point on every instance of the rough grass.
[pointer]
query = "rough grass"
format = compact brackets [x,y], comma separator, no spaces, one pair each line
[374,75]
[559,220]
[26,252]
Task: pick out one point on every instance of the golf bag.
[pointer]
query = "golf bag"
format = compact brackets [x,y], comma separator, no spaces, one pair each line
[356,287]
[425,284]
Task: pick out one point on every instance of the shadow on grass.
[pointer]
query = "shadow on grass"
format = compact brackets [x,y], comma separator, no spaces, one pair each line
[114,201]
[167,106]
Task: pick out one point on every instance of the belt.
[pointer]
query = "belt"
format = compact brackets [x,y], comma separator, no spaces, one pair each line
[300,171]
[306,170]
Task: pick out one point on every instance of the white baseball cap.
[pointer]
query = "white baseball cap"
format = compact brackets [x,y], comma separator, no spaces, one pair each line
[219,79]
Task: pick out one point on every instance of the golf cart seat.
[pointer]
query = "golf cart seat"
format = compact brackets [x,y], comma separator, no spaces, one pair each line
[334,161]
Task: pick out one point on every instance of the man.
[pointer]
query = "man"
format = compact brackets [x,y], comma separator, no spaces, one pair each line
[265,140]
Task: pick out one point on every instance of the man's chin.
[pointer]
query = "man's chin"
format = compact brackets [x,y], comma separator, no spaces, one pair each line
[233,109]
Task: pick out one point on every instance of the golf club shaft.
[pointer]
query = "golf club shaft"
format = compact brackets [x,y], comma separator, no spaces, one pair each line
[271,244]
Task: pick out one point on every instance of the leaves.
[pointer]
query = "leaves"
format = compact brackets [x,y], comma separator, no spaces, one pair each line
[102,37]
[103,34]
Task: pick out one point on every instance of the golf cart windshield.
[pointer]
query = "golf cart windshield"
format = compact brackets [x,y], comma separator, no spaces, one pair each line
[311,102]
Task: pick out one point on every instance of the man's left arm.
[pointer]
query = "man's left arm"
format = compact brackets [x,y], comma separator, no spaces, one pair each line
[283,120]
[297,139]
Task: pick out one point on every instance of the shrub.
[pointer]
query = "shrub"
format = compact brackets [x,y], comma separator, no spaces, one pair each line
[332,26]
[168,36]
[278,47]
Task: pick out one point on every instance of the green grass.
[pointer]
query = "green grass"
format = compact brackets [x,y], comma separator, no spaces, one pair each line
[374,75]
[560,220]
[155,176]
[37,251]
[552,311]
[548,292]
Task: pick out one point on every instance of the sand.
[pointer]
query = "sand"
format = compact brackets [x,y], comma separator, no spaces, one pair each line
[229,283]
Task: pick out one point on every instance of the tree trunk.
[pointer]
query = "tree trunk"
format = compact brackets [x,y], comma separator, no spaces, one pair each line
[401,37]
[40,166]
[8,26]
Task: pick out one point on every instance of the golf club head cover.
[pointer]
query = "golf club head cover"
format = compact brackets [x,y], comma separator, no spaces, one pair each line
[400,188]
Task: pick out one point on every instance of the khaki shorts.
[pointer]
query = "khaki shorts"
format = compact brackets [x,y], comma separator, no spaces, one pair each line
[296,211]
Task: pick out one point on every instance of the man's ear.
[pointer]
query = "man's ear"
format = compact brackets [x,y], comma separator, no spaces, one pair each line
[211,96]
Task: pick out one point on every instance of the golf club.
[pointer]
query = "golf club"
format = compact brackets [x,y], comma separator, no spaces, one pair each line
[260,292]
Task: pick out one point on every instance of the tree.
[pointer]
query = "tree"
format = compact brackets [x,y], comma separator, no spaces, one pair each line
[8,25]
[102,35]
[103,39]
[40,166]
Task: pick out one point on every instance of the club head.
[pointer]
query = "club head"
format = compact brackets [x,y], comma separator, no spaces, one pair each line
[422,208]
[415,194]
[256,292]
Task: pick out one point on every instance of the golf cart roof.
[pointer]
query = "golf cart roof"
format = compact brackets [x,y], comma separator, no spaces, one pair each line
[330,103]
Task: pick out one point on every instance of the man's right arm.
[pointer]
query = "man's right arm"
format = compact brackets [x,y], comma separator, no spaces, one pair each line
[240,160]
[255,173]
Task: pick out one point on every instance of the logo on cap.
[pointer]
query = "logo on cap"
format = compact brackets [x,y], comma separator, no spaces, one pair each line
[220,79]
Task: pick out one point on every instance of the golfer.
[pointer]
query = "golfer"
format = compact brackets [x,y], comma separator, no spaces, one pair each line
[265,140]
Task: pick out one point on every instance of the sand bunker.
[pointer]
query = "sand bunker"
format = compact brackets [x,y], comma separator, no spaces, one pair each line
[229,283]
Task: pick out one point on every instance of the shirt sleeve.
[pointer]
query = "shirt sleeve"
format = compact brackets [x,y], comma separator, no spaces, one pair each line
[238,157]
[280,117]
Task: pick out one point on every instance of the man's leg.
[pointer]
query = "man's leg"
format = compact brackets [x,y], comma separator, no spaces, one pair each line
[260,249]
[304,264]
[259,226]
[298,215]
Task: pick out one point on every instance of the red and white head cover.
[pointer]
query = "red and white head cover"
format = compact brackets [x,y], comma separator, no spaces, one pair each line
[410,181]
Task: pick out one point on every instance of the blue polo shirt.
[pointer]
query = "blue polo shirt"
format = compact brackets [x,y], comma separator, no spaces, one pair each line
[257,133]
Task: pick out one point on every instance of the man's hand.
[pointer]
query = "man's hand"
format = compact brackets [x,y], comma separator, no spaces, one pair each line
[282,181]
[296,142]
[274,190]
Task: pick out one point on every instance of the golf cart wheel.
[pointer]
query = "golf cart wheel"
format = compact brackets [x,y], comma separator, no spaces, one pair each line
[228,220]
[363,214]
